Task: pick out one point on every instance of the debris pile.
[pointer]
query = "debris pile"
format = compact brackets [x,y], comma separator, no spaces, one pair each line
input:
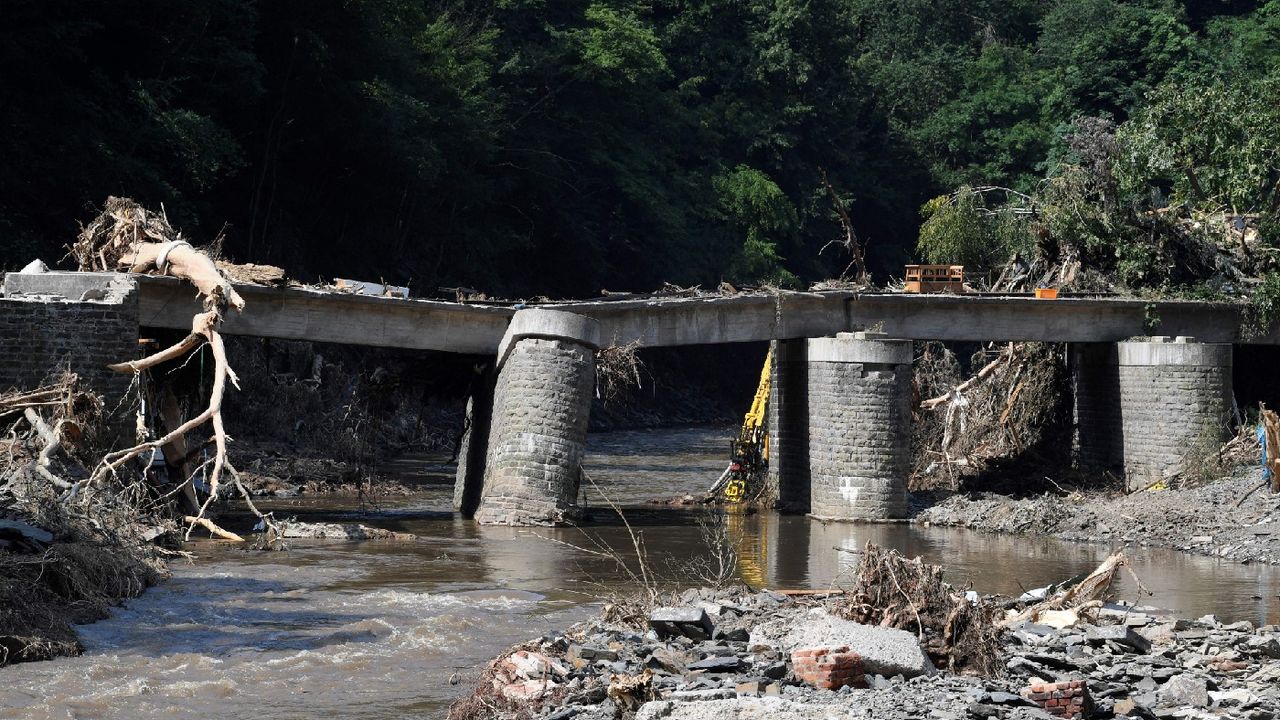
[891,591]
[1222,519]
[728,654]
[67,552]
[1003,413]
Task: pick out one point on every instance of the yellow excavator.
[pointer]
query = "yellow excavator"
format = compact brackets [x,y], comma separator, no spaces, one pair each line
[744,479]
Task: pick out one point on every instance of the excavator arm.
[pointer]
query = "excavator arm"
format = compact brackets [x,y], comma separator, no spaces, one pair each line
[749,452]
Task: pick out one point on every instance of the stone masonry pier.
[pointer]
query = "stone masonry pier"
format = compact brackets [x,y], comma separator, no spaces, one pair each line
[537,432]
[1175,405]
[840,432]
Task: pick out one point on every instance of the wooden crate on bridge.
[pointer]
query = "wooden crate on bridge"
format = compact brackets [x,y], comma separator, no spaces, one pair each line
[935,279]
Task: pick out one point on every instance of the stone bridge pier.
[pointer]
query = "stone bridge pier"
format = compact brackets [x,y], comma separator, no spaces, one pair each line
[1150,407]
[840,431]
[521,459]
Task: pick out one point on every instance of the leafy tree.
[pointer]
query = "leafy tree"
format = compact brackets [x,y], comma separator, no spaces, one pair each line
[1207,145]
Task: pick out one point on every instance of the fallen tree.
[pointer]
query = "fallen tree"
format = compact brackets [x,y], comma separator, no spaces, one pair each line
[127,237]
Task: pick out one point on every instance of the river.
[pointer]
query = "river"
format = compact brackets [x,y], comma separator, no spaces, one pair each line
[385,629]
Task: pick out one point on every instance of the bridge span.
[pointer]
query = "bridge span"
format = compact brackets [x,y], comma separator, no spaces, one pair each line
[1152,380]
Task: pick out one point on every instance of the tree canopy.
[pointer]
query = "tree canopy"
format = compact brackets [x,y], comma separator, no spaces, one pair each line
[527,147]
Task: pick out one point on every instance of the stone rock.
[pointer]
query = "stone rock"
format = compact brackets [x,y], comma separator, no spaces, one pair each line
[685,696]
[1118,634]
[738,634]
[1185,689]
[1264,645]
[878,682]
[581,655]
[774,671]
[1232,698]
[751,688]
[663,659]
[884,651]
[1006,698]
[690,622]
[718,664]
[980,710]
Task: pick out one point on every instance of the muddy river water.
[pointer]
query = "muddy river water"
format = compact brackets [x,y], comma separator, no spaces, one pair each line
[397,630]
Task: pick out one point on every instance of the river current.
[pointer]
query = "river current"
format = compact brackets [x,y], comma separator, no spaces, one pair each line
[400,629]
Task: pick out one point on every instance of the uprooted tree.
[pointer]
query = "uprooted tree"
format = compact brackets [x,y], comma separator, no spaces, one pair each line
[127,237]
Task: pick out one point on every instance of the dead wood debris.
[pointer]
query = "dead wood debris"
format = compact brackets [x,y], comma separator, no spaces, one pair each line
[959,634]
[1005,409]
[618,371]
[62,562]
[254,274]
[1081,596]
[127,236]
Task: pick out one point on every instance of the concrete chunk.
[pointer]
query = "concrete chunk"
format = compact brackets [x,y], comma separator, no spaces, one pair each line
[1119,634]
[691,622]
[884,651]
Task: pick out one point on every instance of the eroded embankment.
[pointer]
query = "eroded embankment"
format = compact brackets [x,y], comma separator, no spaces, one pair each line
[69,549]
[44,591]
[1207,520]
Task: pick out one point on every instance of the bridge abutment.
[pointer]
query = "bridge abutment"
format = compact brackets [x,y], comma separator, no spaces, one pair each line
[537,431]
[75,321]
[1175,405]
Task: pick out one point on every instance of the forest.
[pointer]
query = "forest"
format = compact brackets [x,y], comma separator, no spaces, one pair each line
[523,147]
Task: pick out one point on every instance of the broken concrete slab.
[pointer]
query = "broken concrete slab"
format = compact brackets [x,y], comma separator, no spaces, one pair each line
[691,622]
[1120,634]
[884,651]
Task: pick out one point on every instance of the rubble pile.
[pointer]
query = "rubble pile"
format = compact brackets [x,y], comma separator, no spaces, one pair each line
[722,654]
[1150,664]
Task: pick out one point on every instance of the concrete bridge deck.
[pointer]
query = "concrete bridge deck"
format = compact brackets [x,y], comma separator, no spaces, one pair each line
[335,317]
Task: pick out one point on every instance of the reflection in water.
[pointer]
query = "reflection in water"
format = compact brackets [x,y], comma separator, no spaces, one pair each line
[375,630]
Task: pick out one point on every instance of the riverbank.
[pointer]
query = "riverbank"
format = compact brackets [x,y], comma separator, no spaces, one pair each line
[1208,520]
[742,654]
[46,588]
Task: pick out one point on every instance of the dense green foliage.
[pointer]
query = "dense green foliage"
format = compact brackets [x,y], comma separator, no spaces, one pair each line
[525,146]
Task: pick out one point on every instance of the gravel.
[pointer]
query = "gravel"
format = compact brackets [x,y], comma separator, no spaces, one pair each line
[1203,520]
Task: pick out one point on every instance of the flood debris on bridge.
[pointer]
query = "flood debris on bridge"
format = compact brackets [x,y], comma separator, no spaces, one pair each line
[724,653]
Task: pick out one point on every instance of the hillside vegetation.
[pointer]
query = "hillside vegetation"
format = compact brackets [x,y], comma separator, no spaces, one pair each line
[527,147]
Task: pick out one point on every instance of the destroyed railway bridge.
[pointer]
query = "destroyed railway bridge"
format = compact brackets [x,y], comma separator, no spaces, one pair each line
[839,413]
